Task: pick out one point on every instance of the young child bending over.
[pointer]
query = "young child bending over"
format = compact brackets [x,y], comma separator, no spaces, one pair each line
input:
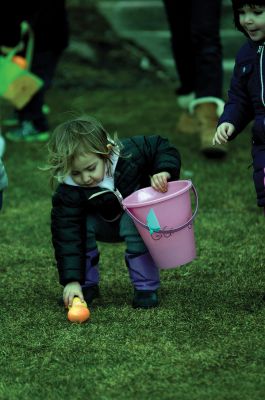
[246,97]
[94,170]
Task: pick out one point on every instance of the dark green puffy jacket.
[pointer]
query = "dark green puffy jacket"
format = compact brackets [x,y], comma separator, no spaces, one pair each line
[70,204]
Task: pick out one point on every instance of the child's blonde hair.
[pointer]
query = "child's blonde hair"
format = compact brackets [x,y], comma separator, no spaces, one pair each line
[77,136]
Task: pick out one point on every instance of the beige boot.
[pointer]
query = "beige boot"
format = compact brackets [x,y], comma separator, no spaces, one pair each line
[207,111]
[186,123]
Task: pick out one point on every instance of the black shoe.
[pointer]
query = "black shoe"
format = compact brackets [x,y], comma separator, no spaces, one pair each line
[145,299]
[90,293]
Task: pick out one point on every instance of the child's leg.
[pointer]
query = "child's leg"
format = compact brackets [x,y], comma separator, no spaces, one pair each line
[97,229]
[142,270]
[90,287]
[258,154]
[92,272]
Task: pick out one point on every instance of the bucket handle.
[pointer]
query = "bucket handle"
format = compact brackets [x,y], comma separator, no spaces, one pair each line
[179,228]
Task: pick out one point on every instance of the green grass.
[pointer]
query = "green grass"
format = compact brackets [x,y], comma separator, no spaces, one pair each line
[206,339]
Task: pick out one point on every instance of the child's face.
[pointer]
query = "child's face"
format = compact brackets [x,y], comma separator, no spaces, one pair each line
[88,170]
[252,20]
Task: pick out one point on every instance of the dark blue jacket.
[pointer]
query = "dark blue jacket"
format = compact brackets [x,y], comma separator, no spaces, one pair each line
[143,156]
[246,102]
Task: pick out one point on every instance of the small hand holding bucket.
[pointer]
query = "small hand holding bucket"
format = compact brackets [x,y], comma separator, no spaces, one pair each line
[165,222]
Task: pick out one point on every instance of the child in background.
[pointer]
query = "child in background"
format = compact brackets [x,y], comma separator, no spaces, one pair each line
[246,96]
[3,181]
[93,169]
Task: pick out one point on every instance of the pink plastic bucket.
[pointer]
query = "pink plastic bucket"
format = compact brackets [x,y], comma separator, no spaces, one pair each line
[165,222]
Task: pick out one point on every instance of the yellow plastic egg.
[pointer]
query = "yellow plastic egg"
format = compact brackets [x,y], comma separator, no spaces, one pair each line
[79,311]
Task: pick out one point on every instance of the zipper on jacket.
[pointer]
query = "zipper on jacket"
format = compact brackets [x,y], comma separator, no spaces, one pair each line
[261,50]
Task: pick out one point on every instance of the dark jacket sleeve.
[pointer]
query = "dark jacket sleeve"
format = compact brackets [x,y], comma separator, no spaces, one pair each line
[238,109]
[68,219]
[158,155]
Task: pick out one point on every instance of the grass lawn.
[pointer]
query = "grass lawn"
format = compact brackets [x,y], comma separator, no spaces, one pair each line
[206,339]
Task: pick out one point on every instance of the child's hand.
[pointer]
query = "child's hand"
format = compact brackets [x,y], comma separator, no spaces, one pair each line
[159,181]
[71,290]
[223,132]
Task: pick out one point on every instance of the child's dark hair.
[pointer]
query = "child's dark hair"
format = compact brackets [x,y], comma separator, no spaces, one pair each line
[237,4]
